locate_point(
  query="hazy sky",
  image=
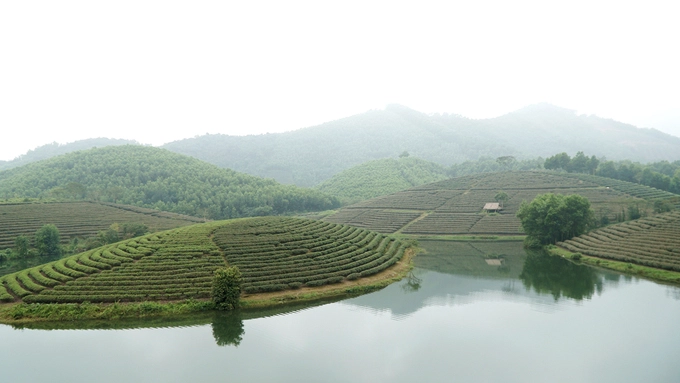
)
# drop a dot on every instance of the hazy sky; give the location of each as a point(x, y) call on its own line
point(158, 71)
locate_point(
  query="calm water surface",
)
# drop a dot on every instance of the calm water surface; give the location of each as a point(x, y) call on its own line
point(457, 318)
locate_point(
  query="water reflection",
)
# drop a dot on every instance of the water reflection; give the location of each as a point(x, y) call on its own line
point(227, 329)
point(558, 277)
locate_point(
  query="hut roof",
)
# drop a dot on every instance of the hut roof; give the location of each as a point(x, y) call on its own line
point(492, 206)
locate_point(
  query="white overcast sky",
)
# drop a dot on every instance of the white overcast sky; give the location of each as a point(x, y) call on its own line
point(158, 71)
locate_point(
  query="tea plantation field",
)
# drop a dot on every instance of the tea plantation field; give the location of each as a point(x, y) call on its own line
point(80, 219)
point(652, 241)
point(272, 253)
point(454, 206)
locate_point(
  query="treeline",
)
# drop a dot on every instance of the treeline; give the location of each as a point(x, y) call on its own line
point(662, 175)
point(159, 179)
point(491, 165)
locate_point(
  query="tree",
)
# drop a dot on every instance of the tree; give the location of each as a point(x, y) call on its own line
point(550, 218)
point(558, 161)
point(22, 246)
point(506, 161)
point(226, 288)
point(501, 197)
point(47, 240)
point(404, 154)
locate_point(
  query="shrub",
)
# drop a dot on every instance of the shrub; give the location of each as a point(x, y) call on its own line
point(576, 256)
point(226, 288)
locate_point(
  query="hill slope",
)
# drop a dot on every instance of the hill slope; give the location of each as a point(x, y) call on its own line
point(54, 149)
point(380, 177)
point(272, 253)
point(454, 206)
point(80, 219)
point(651, 241)
point(157, 178)
point(309, 156)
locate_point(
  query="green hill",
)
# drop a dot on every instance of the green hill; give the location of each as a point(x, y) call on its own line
point(309, 156)
point(454, 206)
point(54, 149)
point(380, 177)
point(272, 253)
point(158, 179)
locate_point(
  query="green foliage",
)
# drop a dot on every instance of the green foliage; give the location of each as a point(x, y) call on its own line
point(381, 177)
point(159, 179)
point(226, 288)
point(47, 240)
point(22, 246)
point(550, 218)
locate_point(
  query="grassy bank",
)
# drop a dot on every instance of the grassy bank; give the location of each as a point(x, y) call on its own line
point(21, 313)
point(623, 267)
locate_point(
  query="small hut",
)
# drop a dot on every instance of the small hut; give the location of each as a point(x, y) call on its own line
point(492, 207)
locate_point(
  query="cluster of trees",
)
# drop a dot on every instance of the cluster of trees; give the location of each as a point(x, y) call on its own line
point(662, 175)
point(579, 164)
point(156, 178)
point(47, 241)
point(550, 218)
point(490, 165)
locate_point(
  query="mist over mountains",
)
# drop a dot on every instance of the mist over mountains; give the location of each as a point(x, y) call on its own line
point(309, 156)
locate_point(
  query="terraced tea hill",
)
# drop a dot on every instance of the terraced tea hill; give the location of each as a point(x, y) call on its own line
point(652, 241)
point(273, 253)
point(454, 206)
point(80, 219)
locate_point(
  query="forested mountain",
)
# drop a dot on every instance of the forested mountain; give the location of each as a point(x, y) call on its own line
point(54, 149)
point(380, 177)
point(309, 156)
point(157, 178)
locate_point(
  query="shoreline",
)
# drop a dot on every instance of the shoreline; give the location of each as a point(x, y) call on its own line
point(654, 274)
point(22, 313)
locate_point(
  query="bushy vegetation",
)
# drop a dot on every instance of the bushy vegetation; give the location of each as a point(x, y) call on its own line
point(379, 177)
point(550, 218)
point(651, 241)
point(226, 288)
point(159, 179)
point(272, 253)
point(662, 175)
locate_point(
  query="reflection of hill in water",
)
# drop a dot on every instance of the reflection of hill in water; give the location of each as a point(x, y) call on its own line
point(462, 275)
point(470, 258)
point(227, 327)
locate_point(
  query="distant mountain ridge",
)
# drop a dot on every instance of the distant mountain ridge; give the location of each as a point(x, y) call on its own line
point(308, 156)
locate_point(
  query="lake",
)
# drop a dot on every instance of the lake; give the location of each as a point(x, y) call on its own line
point(469, 312)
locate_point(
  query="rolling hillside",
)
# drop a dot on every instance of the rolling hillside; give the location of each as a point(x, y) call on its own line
point(380, 177)
point(272, 253)
point(454, 206)
point(80, 219)
point(309, 156)
point(54, 149)
point(651, 241)
point(159, 179)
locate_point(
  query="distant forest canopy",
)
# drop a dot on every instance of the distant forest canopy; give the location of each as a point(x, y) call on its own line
point(54, 149)
point(309, 156)
point(380, 177)
point(157, 178)
point(492, 165)
point(661, 175)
